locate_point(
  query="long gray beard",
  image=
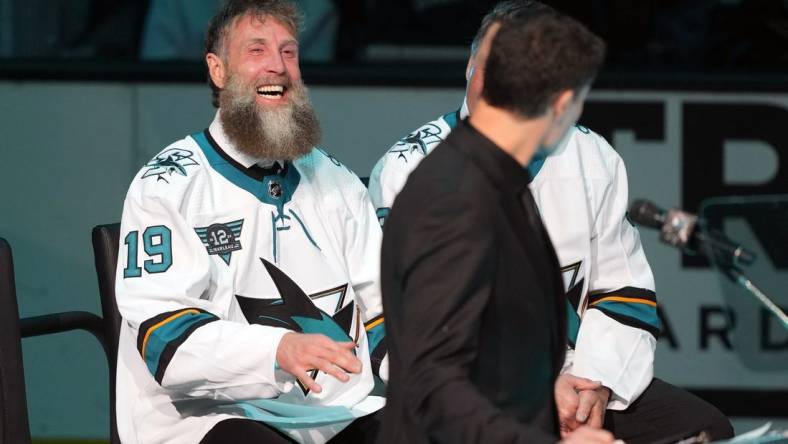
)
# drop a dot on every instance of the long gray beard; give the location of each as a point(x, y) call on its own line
point(284, 132)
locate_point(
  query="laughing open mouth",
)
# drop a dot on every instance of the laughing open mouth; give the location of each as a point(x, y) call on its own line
point(271, 91)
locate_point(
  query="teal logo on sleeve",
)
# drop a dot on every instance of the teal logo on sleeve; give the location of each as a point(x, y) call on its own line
point(169, 162)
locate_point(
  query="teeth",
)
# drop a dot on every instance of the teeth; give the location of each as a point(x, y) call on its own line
point(271, 89)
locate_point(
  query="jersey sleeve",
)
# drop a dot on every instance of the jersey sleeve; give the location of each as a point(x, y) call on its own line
point(619, 328)
point(385, 182)
point(362, 252)
point(163, 291)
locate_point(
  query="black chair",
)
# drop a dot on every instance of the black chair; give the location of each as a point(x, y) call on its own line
point(106, 239)
point(14, 425)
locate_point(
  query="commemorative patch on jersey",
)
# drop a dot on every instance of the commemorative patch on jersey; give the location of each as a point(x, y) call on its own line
point(222, 238)
point(169, 162)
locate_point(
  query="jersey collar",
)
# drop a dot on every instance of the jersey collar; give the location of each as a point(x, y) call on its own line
point(273, 185)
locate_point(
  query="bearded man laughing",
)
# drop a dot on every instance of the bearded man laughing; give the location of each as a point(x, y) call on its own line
point(248, 275)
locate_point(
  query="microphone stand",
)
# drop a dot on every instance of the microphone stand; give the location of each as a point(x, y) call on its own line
point(728, 265)
point(737, 276)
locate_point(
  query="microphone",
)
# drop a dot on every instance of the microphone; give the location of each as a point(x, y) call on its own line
point(679, 229)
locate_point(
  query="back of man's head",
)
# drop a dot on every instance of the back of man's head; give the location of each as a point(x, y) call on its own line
point(535, 57)
point(505, 10)
point(283, 11)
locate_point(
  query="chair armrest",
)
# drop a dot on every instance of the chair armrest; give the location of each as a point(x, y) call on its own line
point(63, 322)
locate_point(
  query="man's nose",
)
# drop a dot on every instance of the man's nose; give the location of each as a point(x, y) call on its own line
point(275, 64)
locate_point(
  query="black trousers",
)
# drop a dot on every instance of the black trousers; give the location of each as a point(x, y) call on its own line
point(662, 414)
point(242, 431)
point(665, 414)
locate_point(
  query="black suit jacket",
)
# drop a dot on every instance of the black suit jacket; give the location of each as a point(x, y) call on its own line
point(474, 302)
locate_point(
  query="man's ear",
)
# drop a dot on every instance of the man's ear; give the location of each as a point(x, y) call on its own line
point(216, 69)
point(469, 70)
point(562, 103)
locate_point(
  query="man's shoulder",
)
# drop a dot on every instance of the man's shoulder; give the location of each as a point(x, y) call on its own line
point(170, 172)
point(327, 176)
point(409, 151)
point(586, 154)
point(591, 141)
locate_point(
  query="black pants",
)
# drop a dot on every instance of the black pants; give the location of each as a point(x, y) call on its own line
point(241, 431)
point(665, 413)
point(662, 414)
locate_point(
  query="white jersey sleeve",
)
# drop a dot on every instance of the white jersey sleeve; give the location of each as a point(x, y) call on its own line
point(163, 295)
point(618, 329)
point(384, 185)
point(362, 240)
point(390, 173)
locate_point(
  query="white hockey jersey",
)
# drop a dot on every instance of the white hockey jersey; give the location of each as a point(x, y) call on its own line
point(581, 192)
point(219, 258)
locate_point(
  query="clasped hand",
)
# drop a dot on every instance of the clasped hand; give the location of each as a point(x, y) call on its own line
point(581, 402)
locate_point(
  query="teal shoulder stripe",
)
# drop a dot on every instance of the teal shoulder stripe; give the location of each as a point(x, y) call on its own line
point(451, 119)
point(258, 188)
point(169, 332)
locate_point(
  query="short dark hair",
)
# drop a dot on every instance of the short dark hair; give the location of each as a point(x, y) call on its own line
point(534, 58)
point(215, 39)
point(505, 10)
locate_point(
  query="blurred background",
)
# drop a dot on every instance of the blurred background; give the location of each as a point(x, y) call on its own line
point(694, 96)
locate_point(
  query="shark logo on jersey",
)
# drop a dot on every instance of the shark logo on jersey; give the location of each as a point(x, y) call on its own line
point(572, 286)
point(574, 291)
point(222, 238)
point(169, 162)
point(296, 311)
point(418, 141)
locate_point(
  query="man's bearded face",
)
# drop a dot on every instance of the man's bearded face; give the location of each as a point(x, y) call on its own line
point(283, 131)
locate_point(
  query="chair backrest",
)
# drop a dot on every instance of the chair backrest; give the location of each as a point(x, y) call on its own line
point(14, 426)
point(106, 239)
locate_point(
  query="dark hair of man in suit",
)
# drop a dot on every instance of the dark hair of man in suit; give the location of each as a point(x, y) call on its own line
point(503, 11)
point(282, 10)
point(536, 57)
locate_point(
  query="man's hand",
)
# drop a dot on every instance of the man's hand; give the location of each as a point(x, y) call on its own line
point(299, 353)
point(593, 404)
point(567, 399)
point(588, 435)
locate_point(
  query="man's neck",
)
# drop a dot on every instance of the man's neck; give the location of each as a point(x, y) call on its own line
point(518, 137)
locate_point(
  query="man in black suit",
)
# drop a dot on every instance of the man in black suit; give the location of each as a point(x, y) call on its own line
point(471, 285)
